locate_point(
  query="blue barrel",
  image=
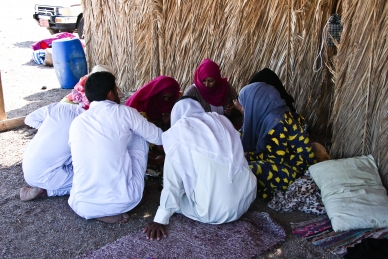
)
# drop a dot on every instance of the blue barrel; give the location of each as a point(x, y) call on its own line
point(69, 61)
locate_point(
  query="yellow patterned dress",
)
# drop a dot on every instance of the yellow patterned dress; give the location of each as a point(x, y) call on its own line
point(287, 157)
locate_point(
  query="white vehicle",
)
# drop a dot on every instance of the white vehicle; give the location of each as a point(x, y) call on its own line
point(60, 16)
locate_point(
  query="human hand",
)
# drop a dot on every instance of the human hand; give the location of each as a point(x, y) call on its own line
point(166, 118)
point(229, 109)
point(238, 106)
point(154, 229)
point(159, 160)
point(156, 160)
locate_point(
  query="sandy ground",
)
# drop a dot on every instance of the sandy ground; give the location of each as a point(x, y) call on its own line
point(48, 228)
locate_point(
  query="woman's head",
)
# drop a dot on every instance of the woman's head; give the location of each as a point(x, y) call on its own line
point(209, 82)
point(166, 95)
point(156, 97)
point(271, 78)
point(212, 87)
point(263, 109)
point(208, 73)
point(260, 95)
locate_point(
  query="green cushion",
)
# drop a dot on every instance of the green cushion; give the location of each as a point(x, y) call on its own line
point(352, 192)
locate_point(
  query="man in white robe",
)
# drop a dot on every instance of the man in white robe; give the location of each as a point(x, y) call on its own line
point(109, 148)
point(206, 176)
point(47, 158)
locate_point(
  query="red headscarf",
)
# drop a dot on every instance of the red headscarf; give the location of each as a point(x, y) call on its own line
point(149, 98)
point(217, 95)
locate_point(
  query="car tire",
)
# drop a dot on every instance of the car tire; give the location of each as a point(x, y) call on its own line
point(80, 28)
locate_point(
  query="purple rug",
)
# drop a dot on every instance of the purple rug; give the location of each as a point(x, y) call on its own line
point(252, 235)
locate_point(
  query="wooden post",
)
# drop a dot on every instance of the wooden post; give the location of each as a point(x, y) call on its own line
point(4, 123)
point(3, 115)
point(11, 123)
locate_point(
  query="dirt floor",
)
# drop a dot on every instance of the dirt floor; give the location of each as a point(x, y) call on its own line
point(48, 228)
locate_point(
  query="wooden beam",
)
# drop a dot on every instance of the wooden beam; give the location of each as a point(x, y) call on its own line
point(3, 115)
point(11, 123)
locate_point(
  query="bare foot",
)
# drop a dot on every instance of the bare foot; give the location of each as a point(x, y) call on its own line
point(30, 193)
point(121, 218)
point(320, 152)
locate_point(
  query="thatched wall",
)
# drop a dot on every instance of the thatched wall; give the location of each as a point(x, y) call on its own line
point(141, 39)
point(359, 116)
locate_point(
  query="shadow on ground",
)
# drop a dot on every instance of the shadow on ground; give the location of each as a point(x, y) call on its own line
point(38, 100)
point(33, 64)
point(24, 44)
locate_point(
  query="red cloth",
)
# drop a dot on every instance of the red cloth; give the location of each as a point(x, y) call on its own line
point(149, 98)
point(46, 43)
point(217, 95)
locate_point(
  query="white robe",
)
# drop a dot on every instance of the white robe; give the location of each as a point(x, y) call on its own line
point(47, 158)
point(109, 148)
point(206, 176)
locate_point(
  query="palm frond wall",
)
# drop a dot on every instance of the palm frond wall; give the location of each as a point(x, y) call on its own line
point(359, 116)
point(346, 99)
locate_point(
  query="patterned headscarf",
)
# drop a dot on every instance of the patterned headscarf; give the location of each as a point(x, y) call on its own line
point(217, 95)
point(263, 109)
point(149, 98)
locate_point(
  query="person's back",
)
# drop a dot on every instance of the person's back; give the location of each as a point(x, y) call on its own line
point(277, 146)
point(109, 149)
point(206, 176)
point(217, 198)
point(47, 158)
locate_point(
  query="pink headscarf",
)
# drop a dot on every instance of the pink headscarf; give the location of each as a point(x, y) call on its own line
point(217, 95)
point(77, 95)
point(149, 98)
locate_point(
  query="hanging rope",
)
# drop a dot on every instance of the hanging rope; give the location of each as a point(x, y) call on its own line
point(324, 37)
point(319, 56)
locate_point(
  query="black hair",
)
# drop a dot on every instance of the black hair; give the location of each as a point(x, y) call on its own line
point(271, 78)
point(187, 97)
point(98, 85)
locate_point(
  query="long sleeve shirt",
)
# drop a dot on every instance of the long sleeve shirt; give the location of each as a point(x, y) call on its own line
point(215, 198)
point(109, 159)
point(47, 155)
point(206, 176)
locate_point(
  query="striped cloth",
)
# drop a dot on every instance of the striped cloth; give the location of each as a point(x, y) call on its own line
point(319, 232)
point(39, 56)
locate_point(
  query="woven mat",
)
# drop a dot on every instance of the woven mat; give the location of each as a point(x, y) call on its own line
point(251, 235)
point(319, 232)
